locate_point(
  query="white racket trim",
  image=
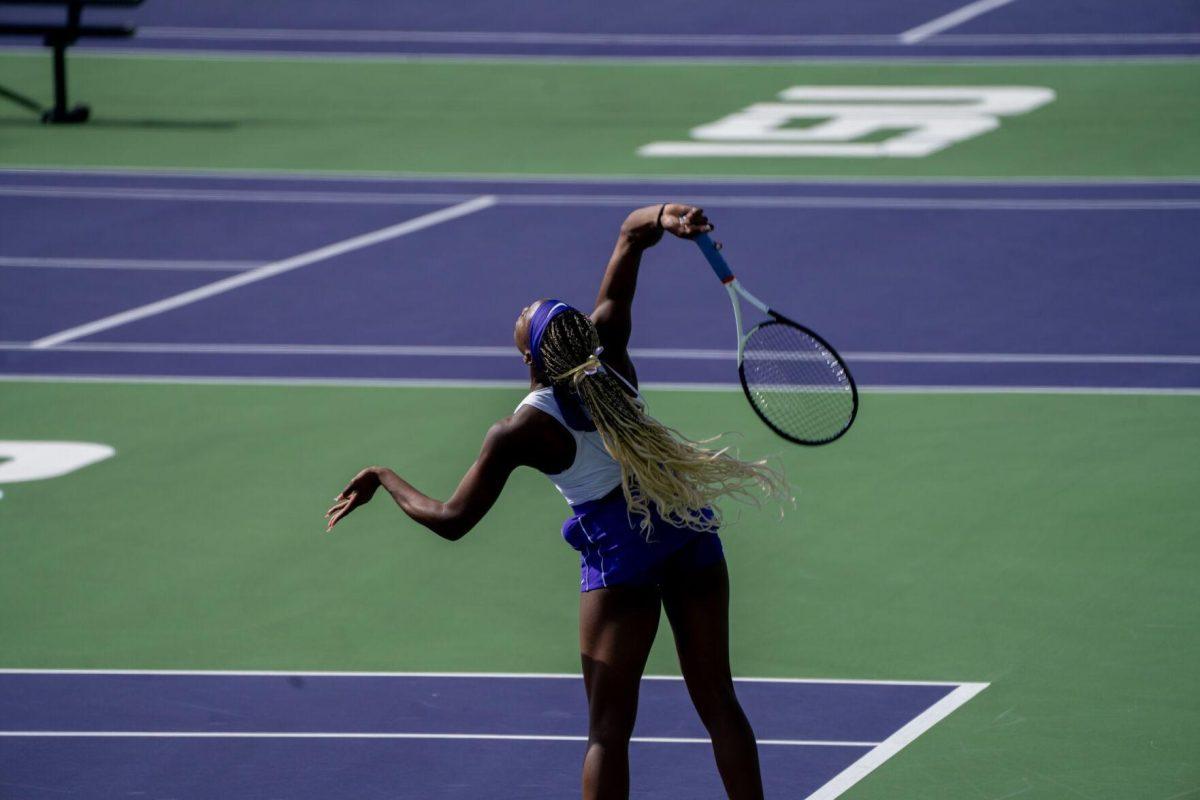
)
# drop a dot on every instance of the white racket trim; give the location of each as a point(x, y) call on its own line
point(735, 290)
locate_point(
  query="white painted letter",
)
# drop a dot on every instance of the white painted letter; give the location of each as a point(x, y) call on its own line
point(35, 461)
point(921, 119)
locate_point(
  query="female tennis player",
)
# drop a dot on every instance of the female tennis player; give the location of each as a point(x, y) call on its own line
point(644, 519)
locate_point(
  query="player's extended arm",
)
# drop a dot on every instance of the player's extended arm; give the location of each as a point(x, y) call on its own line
point(642, 229)
point(474, 497)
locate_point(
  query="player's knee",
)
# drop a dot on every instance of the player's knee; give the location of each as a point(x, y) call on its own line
point(717, 704)
point(609, 739)
point(611, 729)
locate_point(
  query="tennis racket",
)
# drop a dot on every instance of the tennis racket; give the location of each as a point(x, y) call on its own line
point(795, 381)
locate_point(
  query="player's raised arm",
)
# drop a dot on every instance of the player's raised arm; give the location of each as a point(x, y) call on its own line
point(642, 229)
point(503, 450)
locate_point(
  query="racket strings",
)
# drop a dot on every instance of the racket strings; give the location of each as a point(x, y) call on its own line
point(797, 383)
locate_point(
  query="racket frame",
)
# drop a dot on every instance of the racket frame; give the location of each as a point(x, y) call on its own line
point(736, 290)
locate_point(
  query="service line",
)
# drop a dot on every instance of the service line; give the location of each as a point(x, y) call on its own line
point(268, 271)
point(952, 20)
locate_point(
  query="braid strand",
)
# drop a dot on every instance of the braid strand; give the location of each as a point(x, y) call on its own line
point(661, 469)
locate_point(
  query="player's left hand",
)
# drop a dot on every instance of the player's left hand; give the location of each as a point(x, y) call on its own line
point(357, 493)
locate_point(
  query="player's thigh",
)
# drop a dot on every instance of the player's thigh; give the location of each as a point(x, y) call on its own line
point(697, 606)
point(617, 626)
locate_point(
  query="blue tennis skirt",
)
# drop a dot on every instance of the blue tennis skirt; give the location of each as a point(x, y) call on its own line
point(612, 549)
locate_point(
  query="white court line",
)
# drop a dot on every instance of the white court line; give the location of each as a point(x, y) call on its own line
point(1052, 390)
point(879, 753)
point(729, 201)
point(915, 203)
point(505, 737)
point(517, 385)
point(988, 39)
point(897, 741)
point(127, 263)
point(947, 21)
point(484, 351)
point(1024, 358)
point(614, 61)
point(481, 351)
point(269, 270)
point(233, 380)
point(275, 673)
point(506, 37)
point(232, 196)
point(377, 176)
point(655, 40)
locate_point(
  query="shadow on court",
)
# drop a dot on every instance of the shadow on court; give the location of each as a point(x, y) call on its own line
point(16, 98)
point(130, 124)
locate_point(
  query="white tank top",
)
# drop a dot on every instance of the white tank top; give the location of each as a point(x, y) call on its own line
point(594, 473)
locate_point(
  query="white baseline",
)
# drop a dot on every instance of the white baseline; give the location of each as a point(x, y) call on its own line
point(377, 176)
point(574, 676)
point(561, 199)
point(667, 353)
point(351, 35)
point(516, 385)
point(507, 737)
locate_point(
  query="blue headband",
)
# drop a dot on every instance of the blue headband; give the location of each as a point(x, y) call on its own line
point(538, 322)
point(574, 414)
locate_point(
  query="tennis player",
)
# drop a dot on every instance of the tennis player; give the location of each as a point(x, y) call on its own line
point(644, 519)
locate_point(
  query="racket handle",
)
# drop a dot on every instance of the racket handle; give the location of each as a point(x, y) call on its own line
point(715, 259)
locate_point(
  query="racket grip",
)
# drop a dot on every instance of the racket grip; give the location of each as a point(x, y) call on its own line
point(715, 259)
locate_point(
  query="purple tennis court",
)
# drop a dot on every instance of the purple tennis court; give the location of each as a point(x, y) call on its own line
point(872, 29)
point(313, 735)
point(130, 275)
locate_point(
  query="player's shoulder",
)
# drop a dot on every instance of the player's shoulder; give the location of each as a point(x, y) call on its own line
point(519, 427)
point(531, 437)
point(527, 424)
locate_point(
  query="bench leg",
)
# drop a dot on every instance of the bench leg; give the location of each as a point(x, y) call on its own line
point(60, 112)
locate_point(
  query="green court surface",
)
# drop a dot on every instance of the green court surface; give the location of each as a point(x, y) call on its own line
point(445, 116)
point(1043, 543)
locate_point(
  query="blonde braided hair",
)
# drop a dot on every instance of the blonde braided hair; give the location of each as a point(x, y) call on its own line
point(660, 468)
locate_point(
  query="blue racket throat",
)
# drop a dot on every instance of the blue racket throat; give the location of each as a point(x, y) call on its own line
point(715, 259)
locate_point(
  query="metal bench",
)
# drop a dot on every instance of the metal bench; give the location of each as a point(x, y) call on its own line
point(61, 36)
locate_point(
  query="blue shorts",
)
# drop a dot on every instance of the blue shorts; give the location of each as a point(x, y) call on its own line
point(612, 549)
